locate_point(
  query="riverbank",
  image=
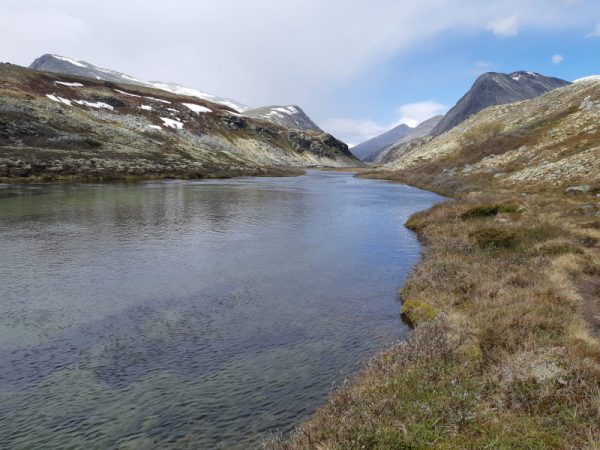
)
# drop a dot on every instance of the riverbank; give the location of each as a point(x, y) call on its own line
point(501, 355)
point(208, 173)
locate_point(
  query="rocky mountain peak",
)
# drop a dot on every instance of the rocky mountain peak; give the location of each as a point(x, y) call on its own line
point(289, 116)
point(494, 88)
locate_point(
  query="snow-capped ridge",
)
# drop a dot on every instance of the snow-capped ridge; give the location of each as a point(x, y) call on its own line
point(289, 116)
point(587, 79)
point(70, 66)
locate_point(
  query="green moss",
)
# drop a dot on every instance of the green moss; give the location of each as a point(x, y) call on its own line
point(560, 249)
point(417, 311)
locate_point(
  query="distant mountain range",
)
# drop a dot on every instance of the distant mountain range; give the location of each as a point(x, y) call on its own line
point(489, 89)
point(393, 151)
point(288, 116)
point(379, 143)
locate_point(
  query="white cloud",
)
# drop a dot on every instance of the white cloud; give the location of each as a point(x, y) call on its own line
point(355, 131)
point(505, 26)
point(264, 51)
point(412, 114)
point(557, 59)
point(596, 32)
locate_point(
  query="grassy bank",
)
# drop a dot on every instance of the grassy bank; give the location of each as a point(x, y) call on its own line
point(501, 355)
point(212, 173)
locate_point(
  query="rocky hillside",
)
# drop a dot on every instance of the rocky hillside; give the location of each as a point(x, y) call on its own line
point(70, 66)
point(497, 89)
point(375, 145)
point(414, 136)
point(547, 143)
point(290, 116)
point(55, 126)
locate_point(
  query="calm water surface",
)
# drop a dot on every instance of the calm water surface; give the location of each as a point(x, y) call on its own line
point(196, 314)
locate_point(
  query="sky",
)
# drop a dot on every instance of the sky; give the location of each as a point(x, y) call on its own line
point(357, 67)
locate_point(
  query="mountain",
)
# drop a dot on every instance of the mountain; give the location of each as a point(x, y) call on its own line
point(287, 116)
point(497, 89)
point(378, 143)
point(290, 116)
point(547, 143)
point(63, 126)
point(391, 152)
point(69, 66)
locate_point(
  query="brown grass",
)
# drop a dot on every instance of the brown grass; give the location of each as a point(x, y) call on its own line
point(500, 356)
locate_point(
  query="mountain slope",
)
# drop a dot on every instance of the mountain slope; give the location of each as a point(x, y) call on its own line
point(69, 66)
point(287, 116)
point(290, 116)
point(55, 126)
point(550, 142)
point(378, 143)
point(393, 151)
point(497, 89)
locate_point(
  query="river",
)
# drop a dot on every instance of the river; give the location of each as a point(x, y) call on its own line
point(192, 314)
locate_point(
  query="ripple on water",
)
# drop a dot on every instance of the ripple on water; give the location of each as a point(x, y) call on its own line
point(192, 314)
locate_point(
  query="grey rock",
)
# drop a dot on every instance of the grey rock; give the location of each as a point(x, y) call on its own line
point(578, 189)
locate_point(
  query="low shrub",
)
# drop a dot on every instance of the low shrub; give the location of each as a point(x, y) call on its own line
point(560, 249)
point(483, 211)
point(494, 237)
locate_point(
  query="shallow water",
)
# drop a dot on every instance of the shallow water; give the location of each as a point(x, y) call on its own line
point(194, 314)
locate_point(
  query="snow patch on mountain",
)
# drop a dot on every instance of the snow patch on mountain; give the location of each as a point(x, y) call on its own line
point(55, 98)
point(189, 92)
point(172, 123)
point(93, 104)
point(70, 61)
point(158, 100)
point(66, 101)
point(197, 108)
point(127, 93)
point(64, 83)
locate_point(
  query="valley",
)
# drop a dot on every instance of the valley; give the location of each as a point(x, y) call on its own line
point(287, 284)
